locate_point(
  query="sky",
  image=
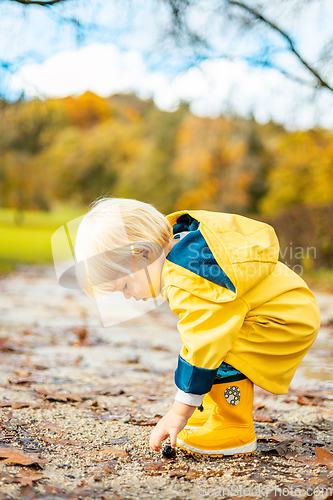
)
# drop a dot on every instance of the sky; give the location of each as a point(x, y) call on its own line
point(130, 57)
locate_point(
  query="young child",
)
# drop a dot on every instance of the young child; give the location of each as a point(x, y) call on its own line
point(245, 318)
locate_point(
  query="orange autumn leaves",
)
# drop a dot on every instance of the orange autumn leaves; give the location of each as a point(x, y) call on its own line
point(303, 171)
point(16, 456)
point(211, 164)
point(79, 148)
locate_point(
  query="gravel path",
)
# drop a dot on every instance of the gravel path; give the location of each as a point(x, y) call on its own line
point(80, 400)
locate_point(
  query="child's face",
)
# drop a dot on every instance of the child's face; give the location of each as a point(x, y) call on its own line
point(137, 285)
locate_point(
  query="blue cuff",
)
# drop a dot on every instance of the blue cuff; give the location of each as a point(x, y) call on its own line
point(189, 378)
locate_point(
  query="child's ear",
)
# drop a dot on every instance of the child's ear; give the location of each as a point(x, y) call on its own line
point(145, 253)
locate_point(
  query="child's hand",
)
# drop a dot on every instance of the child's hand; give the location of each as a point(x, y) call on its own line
point(170, 425)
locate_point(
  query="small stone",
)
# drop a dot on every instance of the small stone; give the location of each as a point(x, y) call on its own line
point(169, 452)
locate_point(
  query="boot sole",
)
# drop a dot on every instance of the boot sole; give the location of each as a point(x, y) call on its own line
point(247, 449)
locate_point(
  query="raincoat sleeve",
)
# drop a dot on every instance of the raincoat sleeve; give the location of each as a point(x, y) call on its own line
point(208, 331)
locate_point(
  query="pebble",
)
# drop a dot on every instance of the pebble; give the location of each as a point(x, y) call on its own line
point(169, 452)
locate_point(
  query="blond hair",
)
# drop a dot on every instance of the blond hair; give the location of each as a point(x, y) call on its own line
point(110, 234)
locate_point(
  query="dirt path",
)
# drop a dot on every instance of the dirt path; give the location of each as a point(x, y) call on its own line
point(79, 401)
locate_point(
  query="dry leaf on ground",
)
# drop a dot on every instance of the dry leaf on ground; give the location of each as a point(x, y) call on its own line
point(259, 417)
point(16, 456)
point(324, 457)
point(27, 477)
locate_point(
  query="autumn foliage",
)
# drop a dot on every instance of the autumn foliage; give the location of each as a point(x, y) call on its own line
point(78, 148)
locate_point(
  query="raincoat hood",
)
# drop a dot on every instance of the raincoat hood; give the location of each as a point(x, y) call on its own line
point(245, 249)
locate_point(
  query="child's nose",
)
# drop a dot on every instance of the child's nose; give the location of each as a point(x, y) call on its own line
point(127, 295)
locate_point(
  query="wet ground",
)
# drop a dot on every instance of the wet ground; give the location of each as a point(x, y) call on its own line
point(79, 400)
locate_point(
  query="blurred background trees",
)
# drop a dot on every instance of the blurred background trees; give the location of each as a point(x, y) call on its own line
point(80, 148)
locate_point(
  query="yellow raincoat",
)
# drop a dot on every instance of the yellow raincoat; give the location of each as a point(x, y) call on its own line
point(236, 302)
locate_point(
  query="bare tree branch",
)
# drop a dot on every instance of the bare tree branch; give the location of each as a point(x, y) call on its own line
point(180, 26)
point(183, 35)
point(283, 72)
point(260, 17)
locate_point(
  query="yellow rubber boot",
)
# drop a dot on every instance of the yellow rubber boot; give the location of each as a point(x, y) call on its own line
point(229, 429)
point(199, 418)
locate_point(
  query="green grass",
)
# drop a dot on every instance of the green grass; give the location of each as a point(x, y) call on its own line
point(319, 279)
point(29, 242)
point(26, 238)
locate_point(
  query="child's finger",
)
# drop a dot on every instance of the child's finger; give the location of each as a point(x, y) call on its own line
point(155, 442)
point(153, 445)
point(173, 438)
point(155, 448)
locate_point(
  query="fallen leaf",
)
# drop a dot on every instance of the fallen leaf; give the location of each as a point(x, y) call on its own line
point(303, 401)
point(280, 448)
point(5, 404)
point(159, 348)
point(327, 324)
point(324, 457)
point(83, 483)
point(59, 397)
point(26, 477)
point(7, 345)
point(40, 406)
point(304, 459)
point(275, 438)
point(133, 360)
point(193, 474)
point(17, 405)
point(177, 472)
point(113, 451)
point(258, 406)
point(303, 397)
point(22, 373)
point(263, 418)
point(150, 421)
point(112, 392)
point(154, 468)
point(323, 395)
point(28, 493)
point(16, 456)
point(81, 333)
point(21, 381)
point(103, 471)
